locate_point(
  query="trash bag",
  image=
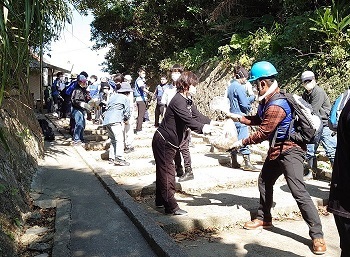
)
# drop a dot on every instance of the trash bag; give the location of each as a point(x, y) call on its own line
point(220, 103)
point(225, 136)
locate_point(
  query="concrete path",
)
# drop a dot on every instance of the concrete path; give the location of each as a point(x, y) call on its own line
point(288, 238)
point(99, 227)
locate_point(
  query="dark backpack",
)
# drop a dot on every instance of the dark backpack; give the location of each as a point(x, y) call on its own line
point(48, 133)
point(337, 107)
point(307, 125)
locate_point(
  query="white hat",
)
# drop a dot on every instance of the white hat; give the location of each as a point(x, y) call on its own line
point(307, 75)
point(125, 87)
point(128, 77)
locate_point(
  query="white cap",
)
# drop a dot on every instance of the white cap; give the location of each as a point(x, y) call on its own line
point(307, 75)
point(128, 77)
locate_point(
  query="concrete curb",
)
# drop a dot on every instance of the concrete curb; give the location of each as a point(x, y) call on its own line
point(61, 240)
point(157, 238)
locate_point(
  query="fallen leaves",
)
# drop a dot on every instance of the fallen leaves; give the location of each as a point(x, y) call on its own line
point(209, 234)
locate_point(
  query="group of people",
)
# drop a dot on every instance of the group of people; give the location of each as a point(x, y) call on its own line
point(285, 156)
point(56, 100)
point(112, 102)
point(116, 101)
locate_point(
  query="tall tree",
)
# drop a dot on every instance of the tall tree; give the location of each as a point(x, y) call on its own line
point(143, 32)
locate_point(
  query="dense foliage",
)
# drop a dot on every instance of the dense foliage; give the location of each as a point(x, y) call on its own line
point(294, 35)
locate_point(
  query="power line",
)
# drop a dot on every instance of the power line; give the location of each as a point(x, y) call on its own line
point(73, 50)
point(77, 38)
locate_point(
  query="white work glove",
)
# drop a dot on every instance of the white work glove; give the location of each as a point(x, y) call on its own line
point(216, 123)
point(237, 145)
point(234, 116)
point(86, 106)
point(207, 129)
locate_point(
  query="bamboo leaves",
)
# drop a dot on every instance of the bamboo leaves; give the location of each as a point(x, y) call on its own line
point(334, 22)
point(25, 26)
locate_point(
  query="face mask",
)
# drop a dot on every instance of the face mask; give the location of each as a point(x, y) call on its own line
point(142, 76)
point(175, 76)
point(62, 78)
point(192, 90)
point(92, 81)
point(83, 84)
point(269, 91)
point(309, 86)
point(105, 90)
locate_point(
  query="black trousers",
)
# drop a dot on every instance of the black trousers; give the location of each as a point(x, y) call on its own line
point(343, 226)
point(290, 164)
point(157, 113)
point(141, 109)
point(185, 151)
point(164, 155)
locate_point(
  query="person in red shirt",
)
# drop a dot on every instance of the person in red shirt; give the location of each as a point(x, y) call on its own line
point(284, 157)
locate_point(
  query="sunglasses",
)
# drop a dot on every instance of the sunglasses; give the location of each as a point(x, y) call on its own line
point(307, 81)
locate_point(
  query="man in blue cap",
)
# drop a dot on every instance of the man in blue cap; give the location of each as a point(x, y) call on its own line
point(79, 107)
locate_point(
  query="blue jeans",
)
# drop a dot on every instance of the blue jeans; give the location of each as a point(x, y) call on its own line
point(243, 132)
point(329, 143)
point(79, 118)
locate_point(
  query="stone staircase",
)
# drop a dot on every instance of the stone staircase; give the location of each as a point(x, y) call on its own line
point(219, 196)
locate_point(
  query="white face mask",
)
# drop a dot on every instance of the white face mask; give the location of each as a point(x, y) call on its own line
point(309, 86)
point(192, 90)
point(269, 91)
point(105, 91)
point(62, 78)
point(93, 81)
point(82, 84)
point(175, 76)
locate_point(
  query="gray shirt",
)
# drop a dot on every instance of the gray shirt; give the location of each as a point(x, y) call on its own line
point(320, 103)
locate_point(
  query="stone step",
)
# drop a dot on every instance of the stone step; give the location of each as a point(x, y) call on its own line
point(96, 137)
point(99, 142)
point(211, 174)
point(205, 181)
point(95, 131)
point(230, 207)
point(146, 165)
point(146, 152)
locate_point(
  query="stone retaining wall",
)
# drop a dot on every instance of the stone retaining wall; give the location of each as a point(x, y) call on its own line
point(21, 144)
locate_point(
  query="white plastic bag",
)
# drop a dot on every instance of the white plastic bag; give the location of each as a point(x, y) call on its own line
point(220, 103)
point(225, 136)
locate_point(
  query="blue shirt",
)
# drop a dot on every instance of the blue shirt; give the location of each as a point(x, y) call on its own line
point(239, 101)
point(93, 90)
point(159, 92)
